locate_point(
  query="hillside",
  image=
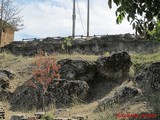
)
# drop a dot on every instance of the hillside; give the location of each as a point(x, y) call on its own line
point(21, 67)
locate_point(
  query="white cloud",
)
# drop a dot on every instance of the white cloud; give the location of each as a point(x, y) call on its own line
point(48, 19)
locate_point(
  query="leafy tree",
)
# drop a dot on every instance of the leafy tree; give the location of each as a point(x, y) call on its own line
point(155, 33)
point(140, 13)
point(9, 16)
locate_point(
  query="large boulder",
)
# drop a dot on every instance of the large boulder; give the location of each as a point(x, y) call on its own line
point(77, 69)
point(122, 95)
point(115, 67)
point(149, 78)
point(61, 93)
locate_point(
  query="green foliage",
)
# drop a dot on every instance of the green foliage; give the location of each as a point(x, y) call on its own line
point(47, 117)
point(106, 53)
point(155, 33)
point(67, 42)
point(132, 9)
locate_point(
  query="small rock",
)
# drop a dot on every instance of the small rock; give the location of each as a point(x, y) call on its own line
point(58, 111)
point(31, 118)
point(78, 117)
point(63, 118)
point(10, 74)
point(39, 115)
point(19, 117)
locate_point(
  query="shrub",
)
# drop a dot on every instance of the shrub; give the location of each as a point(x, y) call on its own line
point(47, 117)
point(44, 71)
point(66, 43)
point(106, 54)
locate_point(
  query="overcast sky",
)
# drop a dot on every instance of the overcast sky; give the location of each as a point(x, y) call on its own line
point(49, 18)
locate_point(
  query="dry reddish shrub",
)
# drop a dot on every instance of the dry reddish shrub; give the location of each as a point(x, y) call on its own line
point(44, 71)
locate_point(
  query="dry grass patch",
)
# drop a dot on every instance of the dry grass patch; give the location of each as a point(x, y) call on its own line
point(77, 57)
point(19, 65)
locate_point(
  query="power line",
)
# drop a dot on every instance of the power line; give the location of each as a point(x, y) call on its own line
point(80, 17)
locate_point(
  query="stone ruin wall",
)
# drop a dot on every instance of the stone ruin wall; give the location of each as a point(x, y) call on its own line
point(7, 37)
point(96, 45)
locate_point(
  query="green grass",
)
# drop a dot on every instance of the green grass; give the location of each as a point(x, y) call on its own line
point(141, 61)
point(47, 117)
point(145, 58)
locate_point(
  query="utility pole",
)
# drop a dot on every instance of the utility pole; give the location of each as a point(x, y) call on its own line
point(74, 18)
point(1, 23)
point(88, 18)
point(1, 12)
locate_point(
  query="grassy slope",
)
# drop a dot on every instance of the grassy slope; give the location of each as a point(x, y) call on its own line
point(21, 66)
point(139, 60)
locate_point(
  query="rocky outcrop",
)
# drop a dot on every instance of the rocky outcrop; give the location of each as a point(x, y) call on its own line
point(4, 86)
point(95, 45)
point(115, 67)
point(61, 93)
point(77, 69)
point(149, 78)
point(78, 77)
point(120, 96)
